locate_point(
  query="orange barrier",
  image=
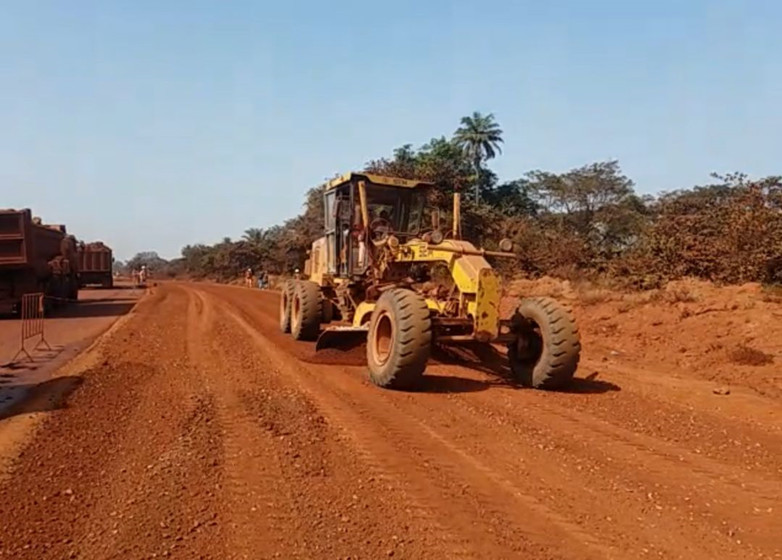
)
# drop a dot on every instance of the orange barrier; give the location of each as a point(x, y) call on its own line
point(32, 324)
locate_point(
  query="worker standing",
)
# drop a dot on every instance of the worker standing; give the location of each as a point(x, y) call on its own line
point(248, 277)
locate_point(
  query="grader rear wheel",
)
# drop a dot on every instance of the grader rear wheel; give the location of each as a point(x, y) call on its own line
point(306, 312)
point(546, 353)
point(327, 310)
point(286, 298)
point(399, 340)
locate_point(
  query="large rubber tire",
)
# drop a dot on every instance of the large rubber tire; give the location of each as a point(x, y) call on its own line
point(286, 298)
point(400, 340)
point(548, 350)
point(306, 311)
point(327, 310)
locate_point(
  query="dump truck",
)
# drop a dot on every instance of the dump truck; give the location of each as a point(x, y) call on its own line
point(95, 265)
point(386, 275)
point(35, 258)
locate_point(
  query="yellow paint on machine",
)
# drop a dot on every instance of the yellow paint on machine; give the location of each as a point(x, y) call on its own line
point(377, 180)
point(364, 311)
point(487, 306)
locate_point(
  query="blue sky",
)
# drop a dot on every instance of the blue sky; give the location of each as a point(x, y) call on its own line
point(153, 124)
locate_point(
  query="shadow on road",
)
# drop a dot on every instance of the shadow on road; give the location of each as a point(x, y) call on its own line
point(99, 308)
point(105, 307)
point(23, 363)
point(118, 299)
point(477, 357)
point(46, 396)
point(433, 383)
point(491, 361)
point(590, 386)
point(99, 288)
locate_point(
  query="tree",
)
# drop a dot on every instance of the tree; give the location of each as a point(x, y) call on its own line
point(439, 161)
point(253, 235)
point(596, 201)
point(512, 199)
point(403, 164)
point(726, 232)
point(479, 136)
point(155, 264)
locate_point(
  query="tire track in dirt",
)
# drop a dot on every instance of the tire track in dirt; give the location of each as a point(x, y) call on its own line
point(606, 478)
point(745, 407)
point(733, 505)
point(446, 477)
point(321, 502)
point(720, 531)
point(258, 512)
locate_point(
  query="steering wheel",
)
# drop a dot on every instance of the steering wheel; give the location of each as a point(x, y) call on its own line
point(377, 224)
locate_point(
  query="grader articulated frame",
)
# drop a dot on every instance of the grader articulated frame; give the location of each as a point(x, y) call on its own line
point(385, 274)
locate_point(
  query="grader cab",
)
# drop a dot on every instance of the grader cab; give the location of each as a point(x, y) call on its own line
point(388, 272)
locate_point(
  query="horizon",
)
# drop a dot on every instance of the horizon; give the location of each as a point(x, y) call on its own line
point(151, 128)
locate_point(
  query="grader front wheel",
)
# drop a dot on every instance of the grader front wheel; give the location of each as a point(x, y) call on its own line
point(399, 340)
point(547, 349)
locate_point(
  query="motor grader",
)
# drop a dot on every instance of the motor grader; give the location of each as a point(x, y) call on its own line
point(389, 272)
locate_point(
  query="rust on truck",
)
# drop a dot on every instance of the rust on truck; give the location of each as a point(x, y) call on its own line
point(95, 264)
point(35, 257)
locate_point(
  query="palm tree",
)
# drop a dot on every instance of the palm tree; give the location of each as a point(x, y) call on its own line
point(479, 136)
point(253, 235)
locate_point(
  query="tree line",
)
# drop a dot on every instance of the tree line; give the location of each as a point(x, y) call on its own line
point(585, 222)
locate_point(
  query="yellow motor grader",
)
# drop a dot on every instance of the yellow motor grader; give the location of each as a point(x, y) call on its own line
point(388, 272)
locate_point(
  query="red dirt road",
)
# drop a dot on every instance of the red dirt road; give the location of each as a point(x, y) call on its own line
point(200, 431)
point(68, 331)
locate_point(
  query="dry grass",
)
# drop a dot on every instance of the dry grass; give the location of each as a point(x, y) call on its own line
point(771, 294)
point(594, 296)
point(680, 295)
point(745, 355)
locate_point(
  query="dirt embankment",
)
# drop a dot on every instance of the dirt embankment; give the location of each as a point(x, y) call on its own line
point(731, 336)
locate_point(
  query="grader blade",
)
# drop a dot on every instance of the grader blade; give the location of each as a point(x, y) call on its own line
point(342, 337)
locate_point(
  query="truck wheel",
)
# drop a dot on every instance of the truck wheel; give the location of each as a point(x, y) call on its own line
point(306, 311)
point(286, 297)
point(400, 340)
point(547, 349)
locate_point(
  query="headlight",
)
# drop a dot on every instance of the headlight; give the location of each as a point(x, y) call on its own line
point(437, 237)
point(506, 245)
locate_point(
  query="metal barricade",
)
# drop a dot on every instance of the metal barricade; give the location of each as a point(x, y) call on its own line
point(33, 322)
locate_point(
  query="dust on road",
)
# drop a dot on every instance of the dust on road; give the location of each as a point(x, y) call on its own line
point(199, 431)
